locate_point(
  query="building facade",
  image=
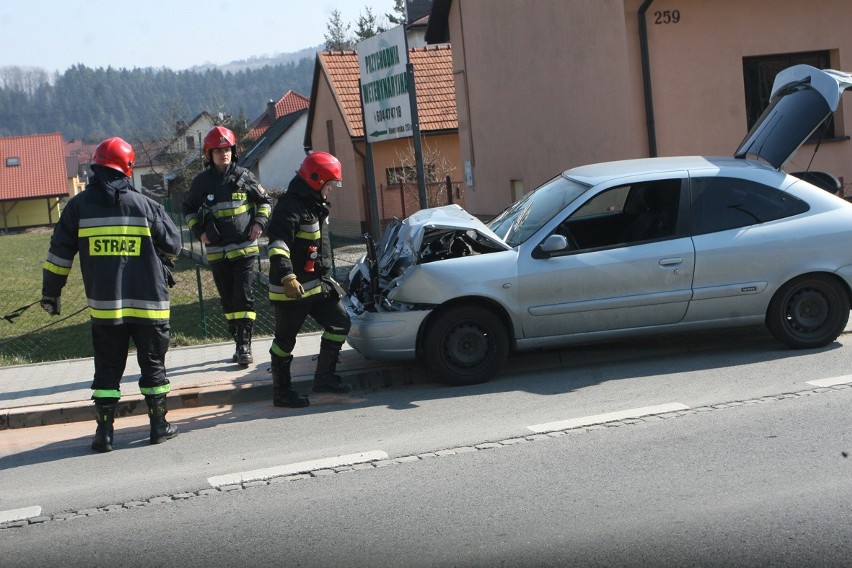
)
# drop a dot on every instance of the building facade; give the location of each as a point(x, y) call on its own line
point(335, 125)
point(33, 180)
point(548, 85)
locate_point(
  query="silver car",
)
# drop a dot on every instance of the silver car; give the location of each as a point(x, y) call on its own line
point(622, 249)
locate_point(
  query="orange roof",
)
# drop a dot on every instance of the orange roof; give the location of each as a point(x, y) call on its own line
point(83, 151)
point(433, 77)
point(290, 102)
point(32, 166)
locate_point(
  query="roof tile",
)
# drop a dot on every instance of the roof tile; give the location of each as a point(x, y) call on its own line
point(290, 102)
point(41, 167)
point(433, 78)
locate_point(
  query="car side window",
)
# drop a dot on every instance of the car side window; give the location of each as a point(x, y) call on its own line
point(720, 204)
point(606, 203)
point(639, 212)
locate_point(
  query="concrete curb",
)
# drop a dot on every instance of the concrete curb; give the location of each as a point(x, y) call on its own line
point(205, 396)
point(368, 376)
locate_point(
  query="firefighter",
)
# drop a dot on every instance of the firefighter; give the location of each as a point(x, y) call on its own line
point(300, 283)
point(126, 244)
point(228, 209)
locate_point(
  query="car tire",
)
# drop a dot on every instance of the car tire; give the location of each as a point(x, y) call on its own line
point(808, 312)
point(466, 345)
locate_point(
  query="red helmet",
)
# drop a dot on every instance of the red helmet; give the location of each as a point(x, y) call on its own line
point(115, 153)
point(220, 137)
point(318, 168)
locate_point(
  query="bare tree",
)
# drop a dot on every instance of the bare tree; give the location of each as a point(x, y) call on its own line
point(24, 79)
point(174, 164)
point(436, 165)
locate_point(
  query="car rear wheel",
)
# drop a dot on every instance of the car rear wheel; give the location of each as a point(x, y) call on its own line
point(808, 312)
point(466, 345)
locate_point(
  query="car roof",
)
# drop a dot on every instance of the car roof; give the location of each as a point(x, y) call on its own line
point(593, 174)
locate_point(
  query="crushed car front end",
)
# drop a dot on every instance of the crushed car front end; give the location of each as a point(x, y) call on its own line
point(392, 289)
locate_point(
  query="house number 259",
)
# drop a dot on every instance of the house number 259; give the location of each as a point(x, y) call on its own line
point(666, 17)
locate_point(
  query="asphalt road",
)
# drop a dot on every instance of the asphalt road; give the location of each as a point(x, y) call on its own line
point(728, 450)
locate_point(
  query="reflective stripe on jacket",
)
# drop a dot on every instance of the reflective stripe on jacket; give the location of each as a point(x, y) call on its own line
point(120, 243)
point(298, 240)
point(225, 206)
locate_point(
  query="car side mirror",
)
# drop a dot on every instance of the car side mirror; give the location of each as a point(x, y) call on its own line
point(554, 243)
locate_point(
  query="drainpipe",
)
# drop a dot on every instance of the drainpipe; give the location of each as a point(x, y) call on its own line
point(646, 80)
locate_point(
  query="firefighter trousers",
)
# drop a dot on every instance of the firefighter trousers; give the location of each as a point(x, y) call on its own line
point(289, 317)
point(233, 280)
point(111, 345)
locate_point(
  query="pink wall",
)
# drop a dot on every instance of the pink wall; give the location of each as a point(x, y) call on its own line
point(348, 208)
point(536, 84)
point(546, 85)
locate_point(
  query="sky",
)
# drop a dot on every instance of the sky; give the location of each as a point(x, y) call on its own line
point(57, 34)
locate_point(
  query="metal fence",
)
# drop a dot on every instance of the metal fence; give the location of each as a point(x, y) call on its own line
point(196, 314)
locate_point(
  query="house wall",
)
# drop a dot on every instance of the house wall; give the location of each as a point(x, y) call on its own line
point(280, 162)
point(138, 172)
point(697, 71)
point(29, 213)
point(351, 205)
point(75, 186)
point(348, 203)
point(197, 130)
point(545, 86)
point(442, 150)
point(539, 87)
point(416, 38)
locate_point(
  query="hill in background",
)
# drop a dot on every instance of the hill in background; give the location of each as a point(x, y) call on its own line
point(259, 61)
point(91, 104)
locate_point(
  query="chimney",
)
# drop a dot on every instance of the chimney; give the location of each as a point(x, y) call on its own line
point(270, 109)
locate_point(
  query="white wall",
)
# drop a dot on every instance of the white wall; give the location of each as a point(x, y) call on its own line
point(278, 166)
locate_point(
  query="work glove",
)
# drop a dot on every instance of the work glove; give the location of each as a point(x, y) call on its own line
point(50, 305)
point(292, 287)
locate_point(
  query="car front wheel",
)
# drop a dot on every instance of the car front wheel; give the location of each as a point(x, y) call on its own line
point(466, 345)
point(807, 312)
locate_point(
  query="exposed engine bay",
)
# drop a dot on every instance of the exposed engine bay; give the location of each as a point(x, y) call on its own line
point(386, 263)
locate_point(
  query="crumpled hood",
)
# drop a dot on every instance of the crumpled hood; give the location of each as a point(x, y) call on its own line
point(402, 241)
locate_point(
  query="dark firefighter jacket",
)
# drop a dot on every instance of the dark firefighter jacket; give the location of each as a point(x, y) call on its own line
point(122, 238)
point(299, 222)
point(225, 206)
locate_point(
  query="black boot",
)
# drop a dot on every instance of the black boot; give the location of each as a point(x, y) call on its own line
point(104, 416)
point(161, 430)
point(282, 390)
point(243, 339)
point(324, 378)
point(232, 329)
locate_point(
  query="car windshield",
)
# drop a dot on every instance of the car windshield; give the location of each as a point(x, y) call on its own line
point(523, 218)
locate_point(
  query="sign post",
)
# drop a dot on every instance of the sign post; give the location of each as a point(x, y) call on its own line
point(387, 92)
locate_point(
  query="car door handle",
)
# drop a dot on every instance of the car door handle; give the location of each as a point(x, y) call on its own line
point(671, 261)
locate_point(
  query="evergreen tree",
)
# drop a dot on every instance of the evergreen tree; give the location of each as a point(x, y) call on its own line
point(398, 16)
point(337, 38)
point(94, 103)
point(367, 25)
